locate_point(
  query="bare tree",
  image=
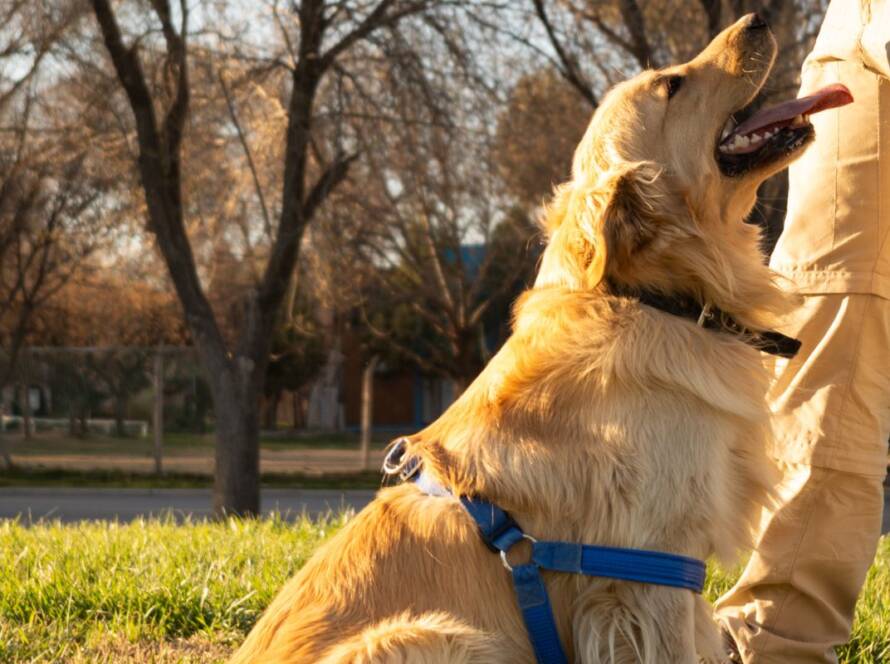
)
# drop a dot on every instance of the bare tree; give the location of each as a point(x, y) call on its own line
point(424, 230)
point(49, 224)
point(45, 212)
point(41, 197)
point(320, 36)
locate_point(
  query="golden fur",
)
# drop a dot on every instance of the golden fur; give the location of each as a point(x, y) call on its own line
point(600, 420)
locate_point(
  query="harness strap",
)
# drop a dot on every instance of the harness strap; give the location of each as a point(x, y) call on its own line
point(534, 603)
point(655, 567)
point(500, 532)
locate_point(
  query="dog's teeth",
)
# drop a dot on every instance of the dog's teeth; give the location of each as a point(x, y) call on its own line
point(744, 141)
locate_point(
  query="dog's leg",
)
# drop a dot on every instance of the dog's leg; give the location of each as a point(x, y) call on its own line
point(708, 642)
point(636, 624)
point(432, 638)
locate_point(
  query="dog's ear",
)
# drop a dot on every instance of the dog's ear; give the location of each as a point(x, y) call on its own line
point(595, 227)
point(628, 219)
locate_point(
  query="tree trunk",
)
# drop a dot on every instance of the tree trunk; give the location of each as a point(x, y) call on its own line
point(158, 415)
point(458, 385)
point(296, 410)
point(236, 487)
point(236, 377)
point(120, 413)
point(770, 210)
point(367, 409)
point(271, 411)
point(26, 410)
point(4, 449)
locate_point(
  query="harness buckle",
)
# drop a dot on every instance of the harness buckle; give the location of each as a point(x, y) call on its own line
point(504, 560)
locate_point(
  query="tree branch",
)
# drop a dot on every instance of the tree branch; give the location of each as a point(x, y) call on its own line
point(569, 68)
point(712, 9)
point(332, 176)
point(636, 26)
point(230, 104)
point(177, 60)
point(159, 159)
point(379, 17)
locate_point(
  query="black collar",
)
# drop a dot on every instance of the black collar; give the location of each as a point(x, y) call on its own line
point(710, 318)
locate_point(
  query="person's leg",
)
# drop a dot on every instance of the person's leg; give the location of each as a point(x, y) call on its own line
point(795, 599)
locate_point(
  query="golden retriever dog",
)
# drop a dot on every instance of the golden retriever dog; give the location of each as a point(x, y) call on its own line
point(602, 420)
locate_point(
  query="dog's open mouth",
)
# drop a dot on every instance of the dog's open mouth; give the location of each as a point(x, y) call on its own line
point(774, 132)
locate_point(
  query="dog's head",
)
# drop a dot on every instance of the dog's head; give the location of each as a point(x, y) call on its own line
point(664, 177)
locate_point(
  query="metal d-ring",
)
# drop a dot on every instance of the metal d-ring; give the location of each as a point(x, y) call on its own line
point(504, 553)
point(705, 315)
point(397, 462)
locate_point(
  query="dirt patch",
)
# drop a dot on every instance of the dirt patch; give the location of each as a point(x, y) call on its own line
point(194, 650)
point(307, 461)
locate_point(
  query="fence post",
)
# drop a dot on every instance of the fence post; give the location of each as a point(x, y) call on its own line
point(367, 409)
point(26, 394)
point(4, 449)
point(158, 421)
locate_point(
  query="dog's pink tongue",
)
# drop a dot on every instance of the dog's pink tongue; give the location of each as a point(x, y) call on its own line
point(831, 96)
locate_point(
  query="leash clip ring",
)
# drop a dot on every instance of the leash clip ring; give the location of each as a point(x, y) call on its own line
point(504, 561)
point(398, 463)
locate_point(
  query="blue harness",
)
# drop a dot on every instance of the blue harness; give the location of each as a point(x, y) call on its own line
point(500, 532)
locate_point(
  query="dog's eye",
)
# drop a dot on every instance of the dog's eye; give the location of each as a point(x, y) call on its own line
point(672, 85)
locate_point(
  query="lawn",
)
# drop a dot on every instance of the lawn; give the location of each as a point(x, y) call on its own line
point(155, 591)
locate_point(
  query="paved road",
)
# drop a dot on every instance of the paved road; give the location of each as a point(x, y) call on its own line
point(128, 504)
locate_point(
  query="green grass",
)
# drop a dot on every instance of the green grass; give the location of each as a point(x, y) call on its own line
point(155, 591)
point(84, 592)
point(112, 479)
point(870, 640)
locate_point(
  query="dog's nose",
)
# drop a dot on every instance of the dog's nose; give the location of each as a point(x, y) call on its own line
point(756, 22)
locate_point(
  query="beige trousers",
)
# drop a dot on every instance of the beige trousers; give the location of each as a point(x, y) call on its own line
point(795, 599)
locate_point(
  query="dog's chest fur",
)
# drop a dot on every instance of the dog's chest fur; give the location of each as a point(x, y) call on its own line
point(618, 425)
